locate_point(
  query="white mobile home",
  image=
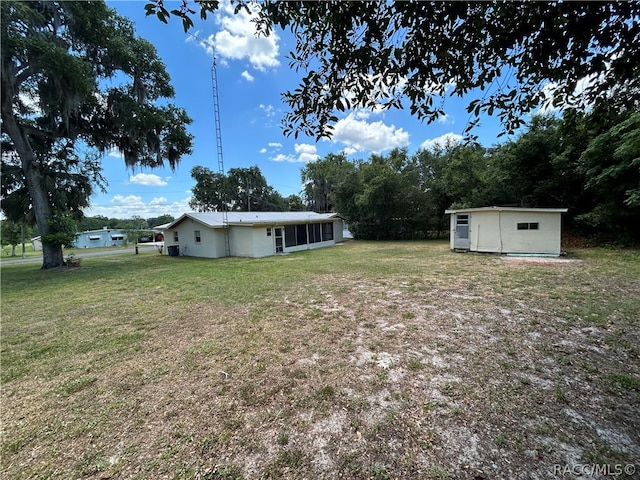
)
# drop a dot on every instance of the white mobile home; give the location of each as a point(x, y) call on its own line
point(506, 230)
point(250, 234)
point(105, 237)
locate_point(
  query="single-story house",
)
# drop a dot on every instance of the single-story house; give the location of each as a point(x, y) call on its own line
point(250, 234)
point(106, 237)
point(507, 230)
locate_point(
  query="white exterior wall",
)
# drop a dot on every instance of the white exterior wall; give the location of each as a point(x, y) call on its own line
point(484, 232)
point(544, 240)
point(309, 246)
point(211, 240)
point(251, 241)
point(452, 231)
point(338, 229)
point(264, 245)
point(244, 240)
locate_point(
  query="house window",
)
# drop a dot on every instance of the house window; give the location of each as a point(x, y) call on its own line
point(528, 226)
point(117, 237)
point(197, 236)
point(290, 236)
point(301, 234)
point(269, 232)
point(94, 237)
point(327, 231)
point(314, 233)
point(175, 236)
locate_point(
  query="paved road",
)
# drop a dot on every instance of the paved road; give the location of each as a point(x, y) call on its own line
point(88, 253)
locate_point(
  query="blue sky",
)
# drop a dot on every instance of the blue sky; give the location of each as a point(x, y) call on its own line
point(252, 74)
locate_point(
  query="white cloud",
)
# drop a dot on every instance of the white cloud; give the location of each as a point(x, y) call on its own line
point(237, 39)
point(128, 200)
point(577, 98)
point(445, 119)
point(442, 142)
point(148, 179)
point(273, 147)
point(349, 151)
point(128, 206)
point(158, 201)
point(306, 152)
point(115, 153)
point(247, 76)
point(281, 157)
point(267, 109)
point(356, 133)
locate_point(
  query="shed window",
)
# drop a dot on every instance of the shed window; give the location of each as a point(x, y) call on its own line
point(463, 219)
point(528, 226)
point(175, 235)
point(269, 232)
point(197, 236)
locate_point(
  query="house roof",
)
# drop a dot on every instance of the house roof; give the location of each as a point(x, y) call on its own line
point(102, 230)
point(506, 209)
point(216, 219)
point(161, 227)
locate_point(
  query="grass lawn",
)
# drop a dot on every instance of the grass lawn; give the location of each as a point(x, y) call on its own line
point(366, 360)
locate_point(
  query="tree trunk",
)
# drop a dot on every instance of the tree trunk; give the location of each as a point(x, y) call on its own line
point(51, 253)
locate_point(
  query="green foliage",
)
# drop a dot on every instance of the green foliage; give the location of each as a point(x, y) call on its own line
point(406, 54)
point(10, 232)
point(58, 54)
point(62, 230)
point(242, 189)
point(161, 220)
point(611, 165)
point(322, 179)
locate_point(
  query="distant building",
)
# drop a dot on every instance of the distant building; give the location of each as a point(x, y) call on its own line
point(106, 237)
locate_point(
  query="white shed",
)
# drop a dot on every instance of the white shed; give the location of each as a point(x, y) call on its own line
point(506, 230)
point(250, 234)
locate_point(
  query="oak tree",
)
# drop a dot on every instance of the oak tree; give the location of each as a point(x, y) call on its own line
point(77, 83)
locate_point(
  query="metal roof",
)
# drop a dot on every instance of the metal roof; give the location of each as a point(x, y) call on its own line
point(507, 209)
point(216, 219)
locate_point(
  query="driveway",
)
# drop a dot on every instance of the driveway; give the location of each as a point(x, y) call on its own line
point(145, 247)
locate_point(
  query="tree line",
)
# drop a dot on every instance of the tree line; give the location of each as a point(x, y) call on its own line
point(588, 163)
point(241, 189)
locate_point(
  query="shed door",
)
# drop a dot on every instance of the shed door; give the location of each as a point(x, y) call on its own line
point(461, 233)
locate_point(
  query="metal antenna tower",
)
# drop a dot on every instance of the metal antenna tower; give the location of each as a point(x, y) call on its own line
point(216, 115)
